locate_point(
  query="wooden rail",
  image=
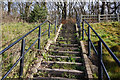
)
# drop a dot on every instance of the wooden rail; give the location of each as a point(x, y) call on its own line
point(100, 18)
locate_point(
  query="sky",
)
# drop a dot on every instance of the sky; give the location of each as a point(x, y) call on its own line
point(61, 0)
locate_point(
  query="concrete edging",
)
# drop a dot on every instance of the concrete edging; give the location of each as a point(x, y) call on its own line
point(50, 41)
point(85, 57)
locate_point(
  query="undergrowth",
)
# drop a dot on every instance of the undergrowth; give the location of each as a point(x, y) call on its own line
point(13, 31)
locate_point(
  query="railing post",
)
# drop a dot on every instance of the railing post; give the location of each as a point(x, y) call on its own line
point(39, 36)
point(82, 30)
point(78, 25)
point(22, 60)
point(100, 70)
point(55, 27)
point(49, 31)
point(79, 31)
point(89, 44)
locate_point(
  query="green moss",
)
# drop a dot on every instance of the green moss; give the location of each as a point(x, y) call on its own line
point(95, 76)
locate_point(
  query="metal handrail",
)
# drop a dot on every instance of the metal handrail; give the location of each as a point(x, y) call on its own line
point(108, 49)
point(21, 58)
point(22, 37)
point(101, 65)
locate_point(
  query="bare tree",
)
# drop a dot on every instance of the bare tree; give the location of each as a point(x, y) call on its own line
point(9, 7)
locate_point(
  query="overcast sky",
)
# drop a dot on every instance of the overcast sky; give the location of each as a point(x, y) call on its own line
point(62, 0)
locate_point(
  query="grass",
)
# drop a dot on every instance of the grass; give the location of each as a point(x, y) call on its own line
point(110, 33)
point(13, 31)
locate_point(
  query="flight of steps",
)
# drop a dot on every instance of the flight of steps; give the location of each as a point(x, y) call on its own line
point(63, 61)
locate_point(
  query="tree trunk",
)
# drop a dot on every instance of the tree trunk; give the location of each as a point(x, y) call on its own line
point(64, 11)
point(108, 7)
point(9, 7)
point(103, 8)
point(27, 9)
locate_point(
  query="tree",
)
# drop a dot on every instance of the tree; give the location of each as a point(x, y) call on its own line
point(64, 12)
point(9, 7)
point(39, 13)
point(103, 8)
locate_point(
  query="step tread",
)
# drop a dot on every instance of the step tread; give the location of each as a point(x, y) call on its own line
point(70, 52)
point(57, 62)
point(61, 70)
point(63, 57)
point(69, 45)
point(72, 48)
point(53, 78)
point(66, 40)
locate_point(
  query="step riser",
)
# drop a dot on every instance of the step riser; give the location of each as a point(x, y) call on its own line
point(52, 78)
point(65, 45)
point(56, 71)
point(60, 73)
point(50, 56)
point(58, 40)
point(65, 48)
point(55, 62)
point(64, 52)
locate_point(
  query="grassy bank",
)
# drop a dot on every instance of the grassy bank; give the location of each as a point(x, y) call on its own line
point(13, 31)
point(110, 33)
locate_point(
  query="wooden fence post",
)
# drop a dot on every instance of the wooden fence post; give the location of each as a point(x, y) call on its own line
point(118, 16)
point(98, 17)
point(81, 17)
point(107, 17)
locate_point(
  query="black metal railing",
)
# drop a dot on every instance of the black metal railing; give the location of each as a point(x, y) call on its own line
point(101, 66)
point(23, 52)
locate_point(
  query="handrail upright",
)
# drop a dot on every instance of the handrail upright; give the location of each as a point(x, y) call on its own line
point(39, 37)
point(100, 69)
point(22, 60)
point(82, 30)
point(55, 27)
point(49, 31)
point(89, 44)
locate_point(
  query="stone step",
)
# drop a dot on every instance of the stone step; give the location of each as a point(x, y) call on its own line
point(57, 62)
point(69, 52)
point(52, 78)
point(60, 71)
point(67, 36)
point(64, 48)
point(51, 56)
point(68, 32)
point(66, 45)
point(66, 40)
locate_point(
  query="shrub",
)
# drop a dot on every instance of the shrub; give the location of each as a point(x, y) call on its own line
point(38, 14)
